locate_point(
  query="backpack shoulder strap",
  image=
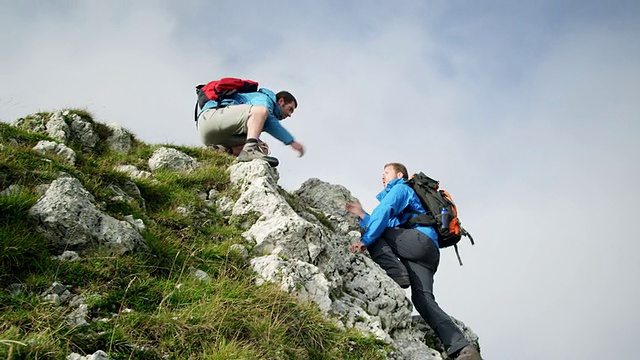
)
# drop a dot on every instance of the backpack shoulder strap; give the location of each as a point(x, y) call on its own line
point(195, 114)
point(195, 110)
point(424, 188)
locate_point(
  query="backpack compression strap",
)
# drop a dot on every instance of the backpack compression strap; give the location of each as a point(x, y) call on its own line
point(463, 232)
point(455, 246)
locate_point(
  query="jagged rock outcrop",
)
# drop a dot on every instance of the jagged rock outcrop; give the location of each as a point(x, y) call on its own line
point(69, 127)
point(120, 139)
point(306, 251)
point(67, 216)
point(63, 126)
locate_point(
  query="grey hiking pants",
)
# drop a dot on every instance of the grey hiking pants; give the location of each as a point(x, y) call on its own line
point(402, 251)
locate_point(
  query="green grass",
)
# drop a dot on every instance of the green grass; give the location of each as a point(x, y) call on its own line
point(148, 305)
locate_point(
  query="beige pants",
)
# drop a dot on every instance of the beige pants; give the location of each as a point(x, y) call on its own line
point(225, 126)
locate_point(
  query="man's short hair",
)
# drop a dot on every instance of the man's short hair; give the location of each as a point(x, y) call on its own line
point(287, 97)
point(399, 168)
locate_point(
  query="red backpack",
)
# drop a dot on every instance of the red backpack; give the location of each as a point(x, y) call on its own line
point(222, 89)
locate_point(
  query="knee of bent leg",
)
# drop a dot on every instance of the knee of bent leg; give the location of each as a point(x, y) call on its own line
point(259, 111)
point(419, 289)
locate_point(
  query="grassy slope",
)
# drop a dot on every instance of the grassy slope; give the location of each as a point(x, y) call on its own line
point(173, 314)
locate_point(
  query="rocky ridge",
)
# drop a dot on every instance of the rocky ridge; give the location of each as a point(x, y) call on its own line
point(300, 239)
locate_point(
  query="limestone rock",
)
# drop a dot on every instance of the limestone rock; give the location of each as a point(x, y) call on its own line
point(98, 355)
point(120, 139)
point(66, 155)
point(310, 258)
point(64, 126)
point(172, 159)
point(68, 218)
point(133, 172)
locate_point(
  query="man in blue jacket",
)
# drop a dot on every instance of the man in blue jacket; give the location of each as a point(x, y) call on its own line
point(410, 256)
point(239, 121)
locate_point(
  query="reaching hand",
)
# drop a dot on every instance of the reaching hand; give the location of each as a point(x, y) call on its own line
point(298, 147)
point(355, 208)
point(357, 247)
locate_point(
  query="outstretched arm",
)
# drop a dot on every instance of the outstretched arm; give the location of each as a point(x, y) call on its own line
point(298, 147)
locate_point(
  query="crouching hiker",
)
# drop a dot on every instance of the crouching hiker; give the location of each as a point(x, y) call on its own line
point(410, 256)
point(240, 119)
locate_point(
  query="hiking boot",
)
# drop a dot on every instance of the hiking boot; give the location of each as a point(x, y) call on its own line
point(468, 352)
point(252, 154)
point(402, 280)
point(263, 147)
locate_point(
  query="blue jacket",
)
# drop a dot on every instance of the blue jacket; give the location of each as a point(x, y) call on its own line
point(263, 97)
point(395, 199)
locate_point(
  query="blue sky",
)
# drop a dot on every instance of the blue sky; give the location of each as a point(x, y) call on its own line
point(527, 112)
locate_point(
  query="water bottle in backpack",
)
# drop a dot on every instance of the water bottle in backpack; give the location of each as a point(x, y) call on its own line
point(444, 218)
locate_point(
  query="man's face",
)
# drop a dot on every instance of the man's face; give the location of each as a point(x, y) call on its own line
point(286, 109)
point(389, 174)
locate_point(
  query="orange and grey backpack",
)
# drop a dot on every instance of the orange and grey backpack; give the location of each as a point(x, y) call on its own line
point(442, 213)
